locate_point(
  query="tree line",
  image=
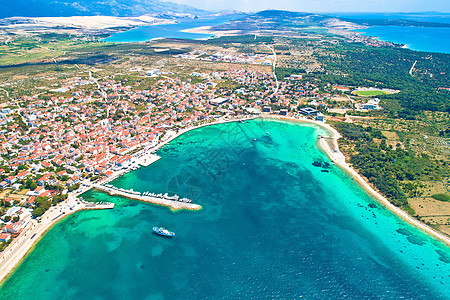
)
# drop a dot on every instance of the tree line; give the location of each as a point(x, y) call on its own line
point(387, 168)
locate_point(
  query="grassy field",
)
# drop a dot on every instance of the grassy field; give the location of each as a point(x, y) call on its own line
point(370, 93)
point(426, 195)
point(32, 49)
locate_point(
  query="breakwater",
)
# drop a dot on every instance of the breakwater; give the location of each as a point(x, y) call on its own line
point(159, 200)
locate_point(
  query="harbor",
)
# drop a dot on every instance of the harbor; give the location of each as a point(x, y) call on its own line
point(174, 202)
point(146, 157)
point(205, 238)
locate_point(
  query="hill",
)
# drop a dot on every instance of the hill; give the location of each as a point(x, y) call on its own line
point(121, 8)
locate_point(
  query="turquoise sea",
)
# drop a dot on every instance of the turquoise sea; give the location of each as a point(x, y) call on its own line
point(146, 33)
point(432, 39)
point(435, 17)
point(429, 39)
point(272, 225)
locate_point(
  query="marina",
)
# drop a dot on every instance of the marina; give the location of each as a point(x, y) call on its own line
point(174, 202)
point(314, 218)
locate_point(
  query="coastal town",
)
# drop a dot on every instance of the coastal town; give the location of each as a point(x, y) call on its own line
point(92, 130)
point(84, 130)
point(81, 117)
point(89, 130)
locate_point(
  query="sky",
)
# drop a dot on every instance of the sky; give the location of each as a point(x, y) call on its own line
point(322, 5)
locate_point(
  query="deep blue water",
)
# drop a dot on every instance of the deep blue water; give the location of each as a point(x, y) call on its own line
point(433, 39)
point(272, 225)
point(146, 33)
point(430, 39)
point(418, 16)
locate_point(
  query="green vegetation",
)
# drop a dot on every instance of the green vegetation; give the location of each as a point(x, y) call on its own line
point(36, 48)
point(73, 187)
point(286, 72)
point(396, 173)
point(30, 184)
point(42, 204)
point(58, 198)
point(3, 245)
point(441, 197)
point(389, 67)
point(21, 123)
point(370, 93)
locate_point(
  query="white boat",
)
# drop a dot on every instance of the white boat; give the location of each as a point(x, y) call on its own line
point(163, 231)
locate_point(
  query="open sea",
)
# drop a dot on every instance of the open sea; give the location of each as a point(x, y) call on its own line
point(272, 225)
point(429, 39)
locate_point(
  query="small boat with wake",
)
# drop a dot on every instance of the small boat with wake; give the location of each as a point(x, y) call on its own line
point(162, 231)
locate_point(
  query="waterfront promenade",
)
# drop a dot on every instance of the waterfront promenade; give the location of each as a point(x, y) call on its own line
point(22, 244)
point(12, 255)
point(16, 251)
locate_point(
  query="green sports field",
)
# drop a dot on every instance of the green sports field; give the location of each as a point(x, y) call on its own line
point(370, 93)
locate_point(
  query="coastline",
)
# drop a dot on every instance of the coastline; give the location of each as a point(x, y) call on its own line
point(189, 128)
point(163, 143)
point(339, 159)
point(409, 43)
point(208, 30)
point(38, 229)
point(22, 245)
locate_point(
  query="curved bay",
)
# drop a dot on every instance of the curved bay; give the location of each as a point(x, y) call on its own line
point(272, 225)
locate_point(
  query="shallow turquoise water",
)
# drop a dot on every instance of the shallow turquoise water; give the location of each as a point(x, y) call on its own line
point(272, 225)
point(146, 33)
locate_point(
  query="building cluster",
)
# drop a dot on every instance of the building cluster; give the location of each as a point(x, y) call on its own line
point(243, 58)
point(90, 129)
point(18, 217)
point(371, 104)
point(369, 41)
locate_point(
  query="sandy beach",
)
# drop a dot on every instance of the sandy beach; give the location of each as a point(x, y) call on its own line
point(189, 128)
point(338, 158)
point(208, 30)
point(330, 146)
point(11, 257)
point(14, 254)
